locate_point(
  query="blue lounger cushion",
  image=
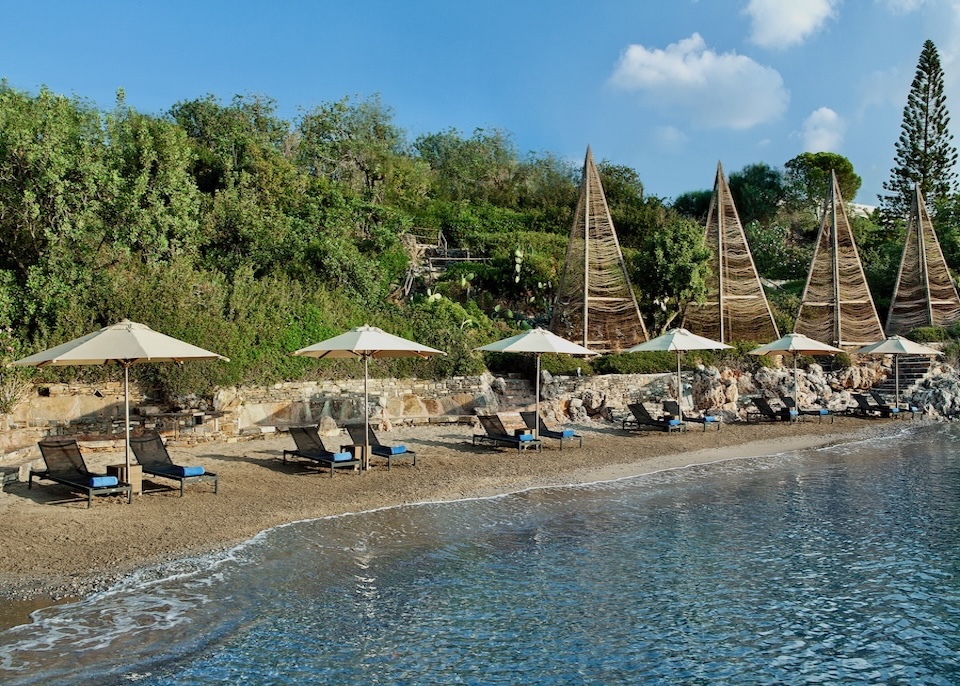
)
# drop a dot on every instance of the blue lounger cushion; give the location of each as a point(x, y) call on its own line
point(103, 481)
point(387, 450)
point(342, 457)
point(568, 433)
point(525, 437)
point(188, 471)
point(673, 422)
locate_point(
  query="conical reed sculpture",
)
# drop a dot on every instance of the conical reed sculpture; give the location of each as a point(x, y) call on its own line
point(595, 304)
point(925, 294)
point(837, 307)
point(736, 307)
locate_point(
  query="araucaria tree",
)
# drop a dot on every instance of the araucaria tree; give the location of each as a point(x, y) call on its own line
point(925, 154)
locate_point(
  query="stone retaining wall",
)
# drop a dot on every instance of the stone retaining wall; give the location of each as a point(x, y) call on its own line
point(95, 413)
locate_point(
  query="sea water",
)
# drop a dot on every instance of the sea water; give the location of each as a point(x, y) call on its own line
point(831, 566)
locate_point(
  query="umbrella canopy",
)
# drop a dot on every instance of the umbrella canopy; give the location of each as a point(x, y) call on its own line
point(678, 341)
point(125, 343)
point(896, 346)
point(795, 344)
point(537, 341)
point(363, 343)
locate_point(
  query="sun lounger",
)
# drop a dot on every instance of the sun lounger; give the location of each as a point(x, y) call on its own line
point(643, 419)
point(672, 407)
point(152, 455)
point(818, 412)
point(310, 447)
point(65, 466)
point(894, 409)
point(530, 419)
point(865, 408)
point(764, 411)
point(497, 435)
point(391, 452)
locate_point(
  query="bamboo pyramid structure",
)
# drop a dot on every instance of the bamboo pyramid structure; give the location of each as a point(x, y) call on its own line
point(837, 307)
point(595, 304)
point(736, 308)
point(925, 294)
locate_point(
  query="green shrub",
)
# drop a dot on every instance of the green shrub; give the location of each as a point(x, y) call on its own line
point(636, 363)
point(951, 353)
point(565, 365)
point(558, 365)
point(785, 303)
point(928, 334)
point(842, 361)
point(448, 326)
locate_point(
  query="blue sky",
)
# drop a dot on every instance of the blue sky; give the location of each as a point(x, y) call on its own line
point(668, 87)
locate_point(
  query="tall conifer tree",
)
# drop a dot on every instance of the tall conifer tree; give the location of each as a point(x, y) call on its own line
point(925, 153)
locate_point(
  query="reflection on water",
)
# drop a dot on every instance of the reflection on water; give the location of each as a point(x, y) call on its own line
point(829, 566)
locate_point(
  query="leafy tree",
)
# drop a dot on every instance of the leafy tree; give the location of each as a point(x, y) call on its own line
point(633, 214)
point(946, 222)
point(548, 192)
point(352, 143)
point(154, 209)
point(231, 139)
point(925, 154)
point(808, 179)
point(53, 176)
point(758, 191)
point(775, 254)
point(694, 204)
point(880, 245)
point(669, 270)
point(482, 168)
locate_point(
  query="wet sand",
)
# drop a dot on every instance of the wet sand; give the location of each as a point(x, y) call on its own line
point(55, 548)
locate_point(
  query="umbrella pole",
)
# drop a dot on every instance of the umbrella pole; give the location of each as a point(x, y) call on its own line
point(796, 385)
point(536, 424)
point(896, 376)
point(679, 384)
point(126, 416)
point(366, 413)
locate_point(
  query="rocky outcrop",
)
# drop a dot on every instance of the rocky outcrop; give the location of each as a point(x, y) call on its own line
point(938, 395)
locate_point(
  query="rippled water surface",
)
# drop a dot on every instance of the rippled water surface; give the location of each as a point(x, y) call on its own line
point(831, 566)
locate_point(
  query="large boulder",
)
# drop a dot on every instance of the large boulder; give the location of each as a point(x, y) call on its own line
point(593, 401)
point(938, 395)
point(708, 388)
point(576, 410)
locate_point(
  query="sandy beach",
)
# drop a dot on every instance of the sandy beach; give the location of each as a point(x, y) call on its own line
point(56, 548)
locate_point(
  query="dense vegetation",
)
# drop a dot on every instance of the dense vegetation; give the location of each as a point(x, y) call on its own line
point(229, 227)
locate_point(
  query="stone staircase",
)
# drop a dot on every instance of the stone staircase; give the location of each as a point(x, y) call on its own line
point(912, 369)
point(518, 393)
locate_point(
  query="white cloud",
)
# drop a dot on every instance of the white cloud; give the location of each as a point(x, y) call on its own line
point(779, 24)
point(902, 6)
point(950, 49)
point(670, 138)
point(887, 88)
point(713, 90)
point(823, 131)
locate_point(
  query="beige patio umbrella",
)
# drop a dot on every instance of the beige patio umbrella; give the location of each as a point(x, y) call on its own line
point(125, 343)
point(795, 344)
point(537, 341)
point(363, 343)
point(679, 341)
point(896, 346)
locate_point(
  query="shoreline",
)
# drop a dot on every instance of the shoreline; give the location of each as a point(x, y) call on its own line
point(58, 551)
